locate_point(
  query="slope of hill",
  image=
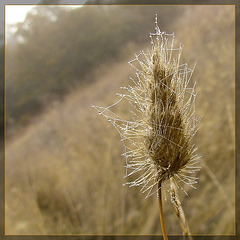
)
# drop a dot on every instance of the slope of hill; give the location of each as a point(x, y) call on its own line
point(64, 174)
point(56, 48)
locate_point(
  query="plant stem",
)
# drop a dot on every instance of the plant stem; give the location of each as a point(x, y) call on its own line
point(161, 211)
point(179, 211)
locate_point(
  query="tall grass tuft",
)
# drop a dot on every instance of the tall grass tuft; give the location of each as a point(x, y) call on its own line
point(158, 138)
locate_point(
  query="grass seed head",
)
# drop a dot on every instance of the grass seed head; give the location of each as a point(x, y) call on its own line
point(158, 138)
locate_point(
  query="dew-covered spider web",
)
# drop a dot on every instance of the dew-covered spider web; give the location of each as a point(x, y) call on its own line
point(144, 121)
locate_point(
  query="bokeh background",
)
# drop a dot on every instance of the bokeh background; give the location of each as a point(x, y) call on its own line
point(64, 169)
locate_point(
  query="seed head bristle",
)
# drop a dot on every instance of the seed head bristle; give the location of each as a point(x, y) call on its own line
point(158, 139)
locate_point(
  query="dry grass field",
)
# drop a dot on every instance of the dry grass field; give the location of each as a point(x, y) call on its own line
point(64, 172)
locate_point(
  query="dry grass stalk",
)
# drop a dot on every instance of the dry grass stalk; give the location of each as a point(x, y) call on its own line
point(158, 138)
point(179, 211)
point(161, 211)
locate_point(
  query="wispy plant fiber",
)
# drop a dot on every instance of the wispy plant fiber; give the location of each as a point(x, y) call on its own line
point(158, 138)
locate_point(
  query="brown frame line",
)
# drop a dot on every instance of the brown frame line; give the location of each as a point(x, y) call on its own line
point(237, 128)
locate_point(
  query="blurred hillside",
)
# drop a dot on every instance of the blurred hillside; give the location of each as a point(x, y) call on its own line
point(66, 167)
point(56, 49)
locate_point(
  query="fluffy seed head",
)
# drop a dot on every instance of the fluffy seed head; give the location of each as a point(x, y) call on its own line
point(158, 138)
